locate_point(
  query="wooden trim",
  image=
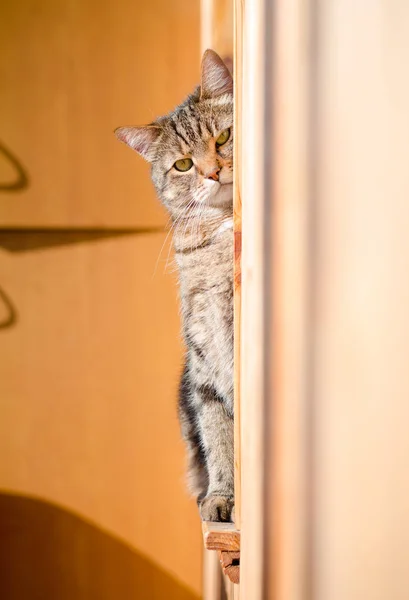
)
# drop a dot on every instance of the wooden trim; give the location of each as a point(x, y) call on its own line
point(213, 583)
point(225, 539)
point(252, 409)
point(221, 536)
point(217, 26)
point(230, 562)
point(275, 196)
point(238, 26)
point(288, 93)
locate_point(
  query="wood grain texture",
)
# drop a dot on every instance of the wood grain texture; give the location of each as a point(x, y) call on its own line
point(221, 536)
point(230, 563)
point(71, 73)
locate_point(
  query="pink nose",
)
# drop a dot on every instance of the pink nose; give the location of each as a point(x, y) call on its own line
point(213, 174)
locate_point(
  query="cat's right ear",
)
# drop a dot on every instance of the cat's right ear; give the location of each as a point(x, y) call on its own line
point(216, 77)
point(141, 139)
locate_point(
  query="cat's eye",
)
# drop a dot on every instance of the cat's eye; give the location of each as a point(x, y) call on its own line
point(223, 137)
point(184, 164)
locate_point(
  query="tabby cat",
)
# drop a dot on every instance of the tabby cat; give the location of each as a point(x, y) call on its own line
point(191, 155)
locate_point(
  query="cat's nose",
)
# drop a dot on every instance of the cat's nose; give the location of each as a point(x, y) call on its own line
point(213, 174)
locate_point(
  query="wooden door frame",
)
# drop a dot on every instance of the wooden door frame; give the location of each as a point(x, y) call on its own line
point(272, 69)
point(275, 186)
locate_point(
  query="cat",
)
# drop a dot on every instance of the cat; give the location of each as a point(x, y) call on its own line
point(191, 156)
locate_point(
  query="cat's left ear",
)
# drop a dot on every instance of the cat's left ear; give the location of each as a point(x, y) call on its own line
point(216, 77)
point(141, 139)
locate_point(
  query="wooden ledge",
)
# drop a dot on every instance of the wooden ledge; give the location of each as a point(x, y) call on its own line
point(225, 538)
point(221, 536)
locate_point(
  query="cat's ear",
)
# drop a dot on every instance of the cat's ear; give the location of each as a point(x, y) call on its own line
point(140, 139)
point(216, 77)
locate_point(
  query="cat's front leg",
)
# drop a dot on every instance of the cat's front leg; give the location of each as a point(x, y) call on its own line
point(217, 434)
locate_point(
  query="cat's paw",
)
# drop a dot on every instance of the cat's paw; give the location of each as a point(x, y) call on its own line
point(217, 508)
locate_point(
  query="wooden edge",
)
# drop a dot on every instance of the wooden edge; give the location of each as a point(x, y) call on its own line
point(230, 562)
point(238, 25)
point(221, 536)
point(213, 579)
point(228, 559)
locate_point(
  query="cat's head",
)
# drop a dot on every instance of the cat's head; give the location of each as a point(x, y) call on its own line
point(191, 149)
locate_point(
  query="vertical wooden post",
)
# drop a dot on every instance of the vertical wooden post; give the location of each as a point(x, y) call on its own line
point(238, 25)
point(252, 170)
point(212, 576)
point(275, 194)
point(291, 159)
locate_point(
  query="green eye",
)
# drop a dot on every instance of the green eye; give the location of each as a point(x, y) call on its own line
point(184, 164)
point(223, 137)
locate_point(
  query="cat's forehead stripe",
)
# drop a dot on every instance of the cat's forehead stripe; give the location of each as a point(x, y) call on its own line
point(191, 119)
point(190, 129)
point(178, 132)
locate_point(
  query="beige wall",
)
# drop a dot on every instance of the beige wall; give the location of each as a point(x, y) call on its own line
point(90, 355)
point(361, 348)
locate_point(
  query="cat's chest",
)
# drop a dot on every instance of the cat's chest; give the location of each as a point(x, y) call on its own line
point(209, 270)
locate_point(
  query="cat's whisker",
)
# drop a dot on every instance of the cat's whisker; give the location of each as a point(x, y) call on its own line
point(161, 250)
point(172, 228)
point(185, 215)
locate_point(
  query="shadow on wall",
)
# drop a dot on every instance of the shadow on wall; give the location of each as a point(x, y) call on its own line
point(11, 312)
point(48, 553)
point(21, 180)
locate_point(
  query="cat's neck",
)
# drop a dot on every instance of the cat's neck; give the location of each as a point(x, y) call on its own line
point(195, 234)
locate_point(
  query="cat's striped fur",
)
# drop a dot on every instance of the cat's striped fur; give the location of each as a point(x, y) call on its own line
point(200, 204)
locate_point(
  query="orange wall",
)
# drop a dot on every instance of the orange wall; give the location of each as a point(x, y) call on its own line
point(71, 73)
point(91, 459)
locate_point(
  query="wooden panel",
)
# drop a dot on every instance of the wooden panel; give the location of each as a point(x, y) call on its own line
point(252, 307)
point(361, 519)
point(221, 536)
point(213, 584)
point(89, 363)
point(325, 484)
point(70, 73)
point(217, 26)
point(230, 562)
point(289, 93)
point(275, 196)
